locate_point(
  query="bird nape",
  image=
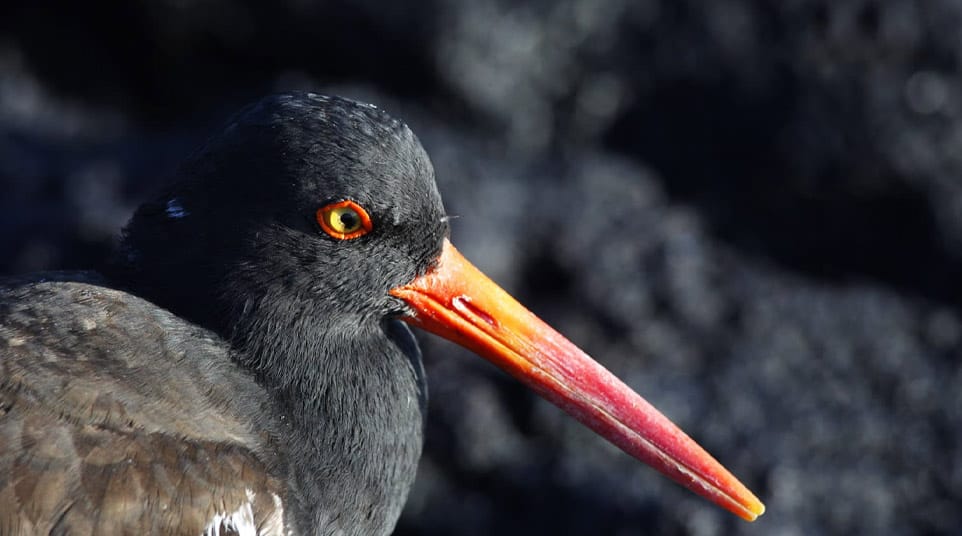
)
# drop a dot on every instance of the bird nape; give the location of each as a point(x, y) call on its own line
point(244, 365)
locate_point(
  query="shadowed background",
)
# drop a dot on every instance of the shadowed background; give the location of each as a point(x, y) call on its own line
point(750, 211)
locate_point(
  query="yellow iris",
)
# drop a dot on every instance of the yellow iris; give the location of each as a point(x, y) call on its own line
point(344, 220)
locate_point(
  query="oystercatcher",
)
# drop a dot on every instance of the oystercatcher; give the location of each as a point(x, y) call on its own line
point(245, 365)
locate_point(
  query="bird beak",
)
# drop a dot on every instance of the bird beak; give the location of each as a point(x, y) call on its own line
point(458, 302)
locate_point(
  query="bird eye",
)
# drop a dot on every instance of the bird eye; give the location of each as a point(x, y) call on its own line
point(344, 220)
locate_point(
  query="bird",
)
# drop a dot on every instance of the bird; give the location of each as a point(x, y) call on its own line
point(245, 365)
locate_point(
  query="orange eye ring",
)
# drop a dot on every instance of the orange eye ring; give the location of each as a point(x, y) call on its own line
point(344, 220)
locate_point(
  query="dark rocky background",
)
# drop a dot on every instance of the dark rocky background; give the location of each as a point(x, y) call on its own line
point(751, 211)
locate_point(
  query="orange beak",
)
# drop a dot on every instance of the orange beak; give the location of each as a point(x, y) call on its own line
point(458, 302)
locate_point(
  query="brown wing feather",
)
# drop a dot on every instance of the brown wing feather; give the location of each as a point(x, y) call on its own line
point(111, 423)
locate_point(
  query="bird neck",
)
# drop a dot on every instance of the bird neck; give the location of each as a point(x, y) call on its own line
point(350, 393)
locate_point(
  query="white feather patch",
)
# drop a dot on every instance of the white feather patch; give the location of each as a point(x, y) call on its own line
point(274, 524)
point(241, 522)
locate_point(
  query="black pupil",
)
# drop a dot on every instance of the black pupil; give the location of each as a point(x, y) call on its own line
point(349, 219)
